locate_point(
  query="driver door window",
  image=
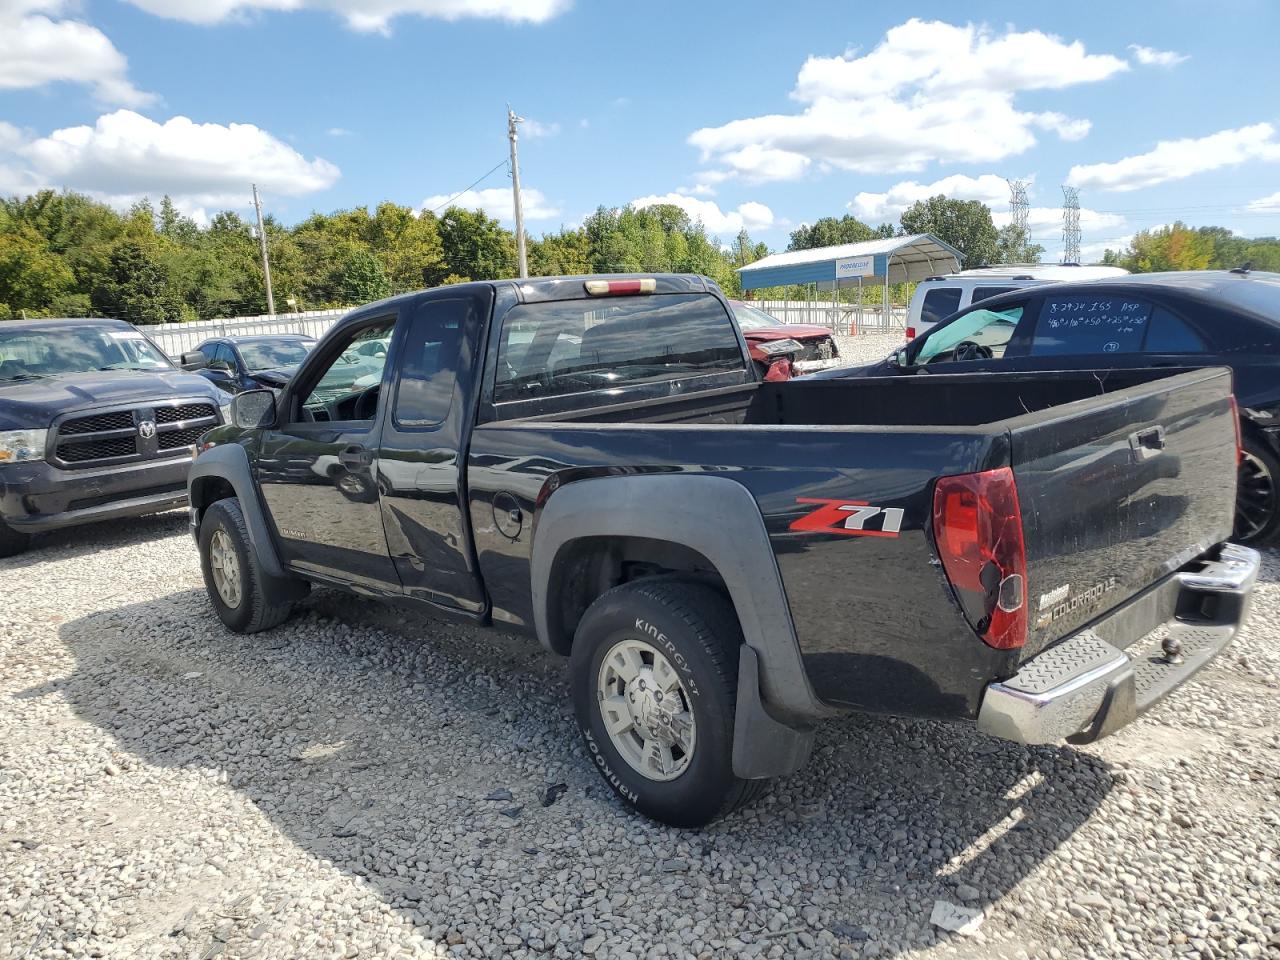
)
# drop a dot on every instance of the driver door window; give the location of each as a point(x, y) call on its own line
point(980, 334)
point(347, 390)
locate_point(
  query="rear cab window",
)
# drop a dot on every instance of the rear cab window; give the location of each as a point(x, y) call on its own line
point(588, 350)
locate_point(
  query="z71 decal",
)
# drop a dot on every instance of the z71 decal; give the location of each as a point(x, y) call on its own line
point(853, 518)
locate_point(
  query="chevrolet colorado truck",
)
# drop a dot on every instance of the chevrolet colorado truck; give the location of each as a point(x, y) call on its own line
point(96, 423)
point(725, 562)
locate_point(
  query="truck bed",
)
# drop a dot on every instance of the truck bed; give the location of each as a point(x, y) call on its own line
point(875, 615)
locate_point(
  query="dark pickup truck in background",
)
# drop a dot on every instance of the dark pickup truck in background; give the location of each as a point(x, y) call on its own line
point(726, 561)
point(96, 423)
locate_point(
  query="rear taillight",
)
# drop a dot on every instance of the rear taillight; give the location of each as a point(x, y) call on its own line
point(911, 333)
point(1235, 418)
point(978, 528)
point(620, 288)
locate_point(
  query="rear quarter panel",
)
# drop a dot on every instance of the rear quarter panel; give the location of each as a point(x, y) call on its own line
point(875, 618)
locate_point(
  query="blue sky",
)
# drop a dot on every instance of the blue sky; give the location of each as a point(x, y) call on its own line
point(749, 113)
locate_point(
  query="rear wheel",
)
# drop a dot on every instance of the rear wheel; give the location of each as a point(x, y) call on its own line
point(1257, 509)
point(655, 675)
point(233, 575)
point(12, 542)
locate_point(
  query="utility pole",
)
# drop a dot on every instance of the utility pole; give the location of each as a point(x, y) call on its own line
point(521, 257)
point(262, 245)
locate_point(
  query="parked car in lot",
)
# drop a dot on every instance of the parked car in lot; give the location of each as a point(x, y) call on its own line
point(779, 349)
point(1187, 319)
point(726, 561)
point(940, 296)
point(96, 423)
point(248, 362)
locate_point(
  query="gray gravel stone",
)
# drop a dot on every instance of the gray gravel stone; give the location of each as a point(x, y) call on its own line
point(313, 793)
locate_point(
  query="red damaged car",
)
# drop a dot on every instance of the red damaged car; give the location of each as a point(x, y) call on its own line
point(784, 350)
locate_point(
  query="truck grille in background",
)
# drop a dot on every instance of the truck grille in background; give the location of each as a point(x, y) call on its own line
point(97, 450)
point(116, 420)
point(113, 436)
point(184, 411)
point(180, 438)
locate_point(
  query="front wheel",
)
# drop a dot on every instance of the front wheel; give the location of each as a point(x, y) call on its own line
point(12, 542)
point(1257, 509)
point(233, 576)
point(654, 675)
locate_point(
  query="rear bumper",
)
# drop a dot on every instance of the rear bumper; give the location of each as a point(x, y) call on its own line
point(1095, 682)
point(39, 496)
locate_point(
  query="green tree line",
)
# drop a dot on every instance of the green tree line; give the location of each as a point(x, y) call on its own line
point(65, 254)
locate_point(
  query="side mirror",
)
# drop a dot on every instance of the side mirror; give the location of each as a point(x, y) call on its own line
point(195, 360)
point(253, 409)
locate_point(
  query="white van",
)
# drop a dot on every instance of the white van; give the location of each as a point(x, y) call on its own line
point(939, 297)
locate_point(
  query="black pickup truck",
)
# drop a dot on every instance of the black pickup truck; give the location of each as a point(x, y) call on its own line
point(96, 423)
point(725, 561)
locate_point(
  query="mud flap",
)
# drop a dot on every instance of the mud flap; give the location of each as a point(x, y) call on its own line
point(762, 746)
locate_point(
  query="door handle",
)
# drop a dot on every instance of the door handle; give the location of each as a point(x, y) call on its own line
point(355, 456)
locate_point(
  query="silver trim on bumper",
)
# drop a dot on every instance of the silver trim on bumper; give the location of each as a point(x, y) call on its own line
point(1083, 688)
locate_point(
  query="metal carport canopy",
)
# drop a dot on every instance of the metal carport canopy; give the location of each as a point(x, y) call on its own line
point(890, 260)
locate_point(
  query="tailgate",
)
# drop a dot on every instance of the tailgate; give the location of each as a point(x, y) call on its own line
point(1119, 490)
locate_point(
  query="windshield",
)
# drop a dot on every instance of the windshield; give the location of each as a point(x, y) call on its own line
point(984, 333)
point(753, 318)
point(273, 354)
point(27, 353)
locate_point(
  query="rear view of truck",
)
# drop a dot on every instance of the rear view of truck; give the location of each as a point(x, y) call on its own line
point(1093, 558)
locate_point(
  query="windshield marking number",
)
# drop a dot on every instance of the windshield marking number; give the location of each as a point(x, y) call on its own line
point(849, 517)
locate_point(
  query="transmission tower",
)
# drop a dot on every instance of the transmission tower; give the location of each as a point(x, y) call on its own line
point(1070, 225)
point(1019, 204)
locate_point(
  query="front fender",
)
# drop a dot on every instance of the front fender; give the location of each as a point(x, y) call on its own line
point(228, 465)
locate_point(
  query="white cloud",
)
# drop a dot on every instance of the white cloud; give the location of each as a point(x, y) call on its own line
point(1177, 159)
point(533, 129)
point(1046, 222)
point(929, 92)
point(750, 215)
point(1093, 250)
point(498, 203)
point(10, 137)
point(878, 207)
point(124, 156)
point(36, 50)
point(1149, 57)
point(363, 15)
point(339, 132)
point(1269, 204)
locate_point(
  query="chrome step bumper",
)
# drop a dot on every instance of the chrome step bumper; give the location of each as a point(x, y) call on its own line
point(1085, 687)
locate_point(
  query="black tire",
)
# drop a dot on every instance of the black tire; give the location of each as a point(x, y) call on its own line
point(12, 542)
point(252, 613)
point(1257, 500)
point(696, 629)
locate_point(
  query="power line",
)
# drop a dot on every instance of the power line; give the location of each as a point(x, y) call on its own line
point(485, 176)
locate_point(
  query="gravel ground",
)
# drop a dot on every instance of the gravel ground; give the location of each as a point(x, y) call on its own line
point(361, 783)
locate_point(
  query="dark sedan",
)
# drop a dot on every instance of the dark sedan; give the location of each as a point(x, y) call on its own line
point(248, 363)
point(1227, 318)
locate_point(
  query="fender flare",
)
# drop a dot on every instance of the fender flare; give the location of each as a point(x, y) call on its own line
point(720, 519)
point(229, 463)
